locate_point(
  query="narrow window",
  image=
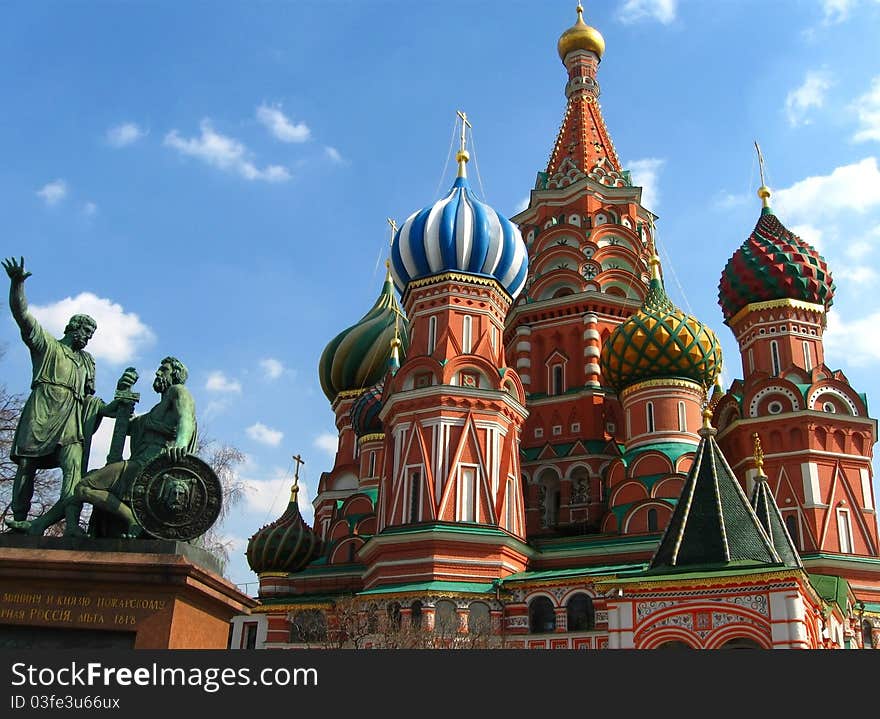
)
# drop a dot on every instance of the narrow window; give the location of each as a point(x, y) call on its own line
point(372, 472)
point(791, 524)
point(649, 411)
point(652, 520)
point(250, 636)
point(751, 360)
point(511, 496)
point(415, 616)
point(682, 418)
point(415, 496)
point(844, 531)
point(466, 504)
point(629, 430)
point(467, 324)
point(432, 334)
point(808, 360)
point(493, 336)
point(558, 379)
point(774, 357)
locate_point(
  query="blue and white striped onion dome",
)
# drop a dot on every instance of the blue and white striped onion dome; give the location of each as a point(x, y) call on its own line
point(459, 234)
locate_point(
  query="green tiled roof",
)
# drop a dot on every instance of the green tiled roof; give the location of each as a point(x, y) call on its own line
point(832, 589)
point(466, 587)
point(713, 522)
point(742, 568)
point(673, 450)
point(543, 575)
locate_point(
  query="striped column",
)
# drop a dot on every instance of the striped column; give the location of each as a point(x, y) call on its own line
point(591, 350)
point(523, 354)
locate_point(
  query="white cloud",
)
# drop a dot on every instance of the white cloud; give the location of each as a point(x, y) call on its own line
point(280, 125)
point(660, 10)
point(125, 134)
point(333, 154)
point(259, 432)
point(53, 192)
point(836, 11)
point(120, 335)
point(328, 442)
point(726, 200)
point(225, 153)
point(867, 108)
point(854, 340)
point(90, 209)
point(810, 94)
point(849, 188)
point(272, 368)
point(645, 174)
point(219, 382)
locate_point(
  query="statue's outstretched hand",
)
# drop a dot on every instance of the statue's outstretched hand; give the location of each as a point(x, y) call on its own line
point(129, 377)
point(15, 270)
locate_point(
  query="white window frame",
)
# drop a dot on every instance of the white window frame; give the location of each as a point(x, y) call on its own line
point(432, 334)
point(468, 480)
point(467, 332)
point(844, 531)
point(649, 417)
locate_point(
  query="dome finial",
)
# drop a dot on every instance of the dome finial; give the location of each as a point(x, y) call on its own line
point(759, 456)
point(654, 259)
point(294, 490)
point(463, 155)
point(763, 190)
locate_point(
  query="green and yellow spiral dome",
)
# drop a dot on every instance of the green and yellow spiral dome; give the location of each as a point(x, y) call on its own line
point(660, 341)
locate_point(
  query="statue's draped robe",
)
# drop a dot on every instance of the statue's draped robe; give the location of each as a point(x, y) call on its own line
point(61, 409)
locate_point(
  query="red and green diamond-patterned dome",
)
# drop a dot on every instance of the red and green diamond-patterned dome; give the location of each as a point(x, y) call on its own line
point(660, 341)
point(774, 264)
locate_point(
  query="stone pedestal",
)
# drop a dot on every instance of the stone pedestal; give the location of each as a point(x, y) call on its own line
point(143, 594)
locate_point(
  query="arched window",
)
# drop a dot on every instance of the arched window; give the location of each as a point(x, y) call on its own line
point(394, 616)
point(675, 645)
point(432, 333)
point(581, 617)
point(415, 614)
point(558, 380)
point(682, 418)
point(466, 334)
point(741, 643)
point(774, 358)
point(445, 618)
point(542, 618)
point(867, 636)
point(415, 496)
point(372, 468)
point(652, 520)
point(649, 413)
point(479, 619)
point(808, 359)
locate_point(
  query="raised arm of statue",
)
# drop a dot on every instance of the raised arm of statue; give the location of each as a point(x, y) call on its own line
point(184, 408)
point(17, 300)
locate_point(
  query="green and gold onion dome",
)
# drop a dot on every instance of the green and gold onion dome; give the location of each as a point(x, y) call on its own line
point(286, 545)
point(358, 357)
point(581, 36)
point(660, 341)
point(773, 264)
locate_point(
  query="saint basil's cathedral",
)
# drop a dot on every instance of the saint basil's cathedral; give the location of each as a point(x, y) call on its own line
point(535, 450)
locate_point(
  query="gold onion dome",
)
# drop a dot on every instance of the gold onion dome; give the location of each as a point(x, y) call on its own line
point(581, 36)
point(660, 341)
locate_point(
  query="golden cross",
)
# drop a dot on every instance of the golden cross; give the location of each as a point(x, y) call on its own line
point(464, 125)
point(760, 162)
point(299, 460)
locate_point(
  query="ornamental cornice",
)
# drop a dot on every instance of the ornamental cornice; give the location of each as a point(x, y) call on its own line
point(660, 585)
point(774, 304)
point(670, 382)
point(375, 437)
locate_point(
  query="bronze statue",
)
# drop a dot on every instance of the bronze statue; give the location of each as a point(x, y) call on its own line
point(168, 429)
point(62, 412)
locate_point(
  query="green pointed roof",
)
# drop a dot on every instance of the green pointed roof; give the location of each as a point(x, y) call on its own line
point(771, 520)
point(713, 523)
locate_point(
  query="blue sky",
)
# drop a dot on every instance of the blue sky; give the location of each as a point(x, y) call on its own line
point(212, 180)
